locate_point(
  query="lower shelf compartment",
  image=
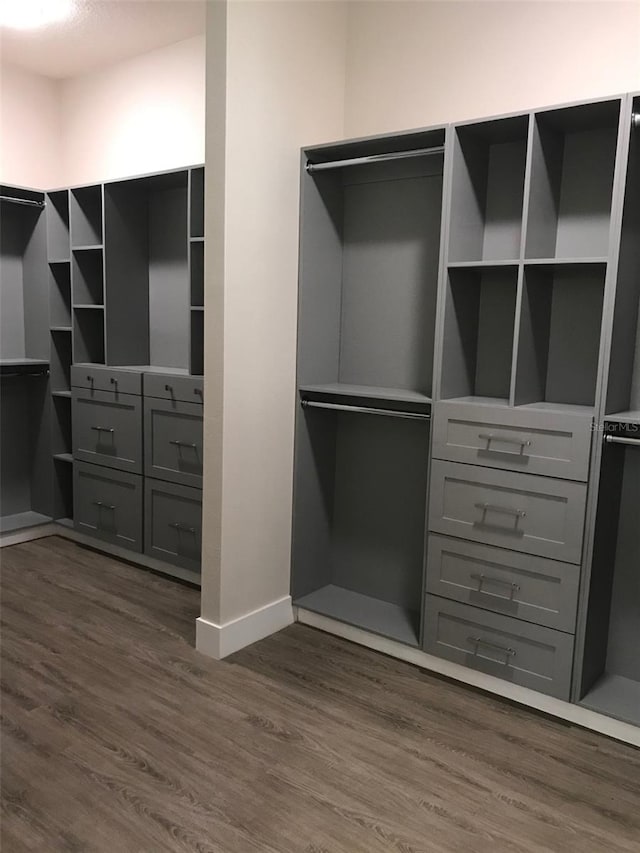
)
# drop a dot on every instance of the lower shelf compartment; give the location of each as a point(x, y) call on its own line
point(362, 611)
point(22, 520)
point(615, 696)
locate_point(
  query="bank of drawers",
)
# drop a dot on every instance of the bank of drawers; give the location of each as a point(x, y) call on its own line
point(147, 426)
point(506, 519)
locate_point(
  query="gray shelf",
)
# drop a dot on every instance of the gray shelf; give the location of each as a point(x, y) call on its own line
point(362, 611)
point(22, 521)
point(615, 696)
point(27, 366)
point(366, 395)
point(632, 417)
point(62, 394)
point(85, 208)
point(63, 457)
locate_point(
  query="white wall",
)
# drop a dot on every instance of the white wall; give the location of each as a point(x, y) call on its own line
point(412, 64)
point(285, 68)
point(30, 139)
point(142, 115)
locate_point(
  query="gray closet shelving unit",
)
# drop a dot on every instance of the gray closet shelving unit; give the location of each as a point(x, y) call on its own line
point(505, 537)
point(117, 277)
point(25, 492)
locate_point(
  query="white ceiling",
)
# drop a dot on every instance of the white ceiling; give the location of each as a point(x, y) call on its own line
point(101, 33)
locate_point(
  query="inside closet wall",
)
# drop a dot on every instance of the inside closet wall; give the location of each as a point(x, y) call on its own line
point(349, 69)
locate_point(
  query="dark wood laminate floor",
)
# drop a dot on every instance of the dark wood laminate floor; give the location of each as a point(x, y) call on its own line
point(117, 736)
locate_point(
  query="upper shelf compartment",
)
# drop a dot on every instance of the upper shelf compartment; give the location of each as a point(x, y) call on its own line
point(86, 217)
point(370, 247)
point(572, 167)
point(487, 191)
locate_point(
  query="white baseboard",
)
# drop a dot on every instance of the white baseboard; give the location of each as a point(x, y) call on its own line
point(522, 695)
point(27, 535)
point(219, 641)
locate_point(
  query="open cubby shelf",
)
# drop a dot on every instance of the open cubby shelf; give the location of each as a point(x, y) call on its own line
point(61, 358)
point(196, 203)
point(480, 310)
point(58, 225)
point(88, 277)
point(488, 190)
point(86, 216)
point(197, 343)
point(197, 274)
point(573, 159)
point(560, 331)
point(88, 337)
point(360, 519)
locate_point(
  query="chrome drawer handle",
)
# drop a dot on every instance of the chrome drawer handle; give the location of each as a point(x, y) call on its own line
point(103, 429)
point(505, 510)
point(504, 650)
point(505, 439)
point(514, 587)
point(183, 443)
point(180, 526)
point(102, 505)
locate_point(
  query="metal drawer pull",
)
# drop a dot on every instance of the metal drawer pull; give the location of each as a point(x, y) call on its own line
point(102, 505)
point(505, 510)
point(503, 650)
point(514, 587)
point(113, 381)
point(179, 443)
point(180, 526)
point(505, 439)
point(103, 429)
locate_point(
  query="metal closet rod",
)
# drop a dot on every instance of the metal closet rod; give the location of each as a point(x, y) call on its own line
point(367, 410)
point(374, 158)
point(617, 439)
point(26, 201)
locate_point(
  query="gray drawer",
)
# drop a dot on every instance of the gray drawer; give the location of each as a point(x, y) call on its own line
point(173, 523)
point(187, 389)
point(531, 588)
point(529, 655)
point(107, 504)
point(555, 444)
point(99, 378)
point(522, 512)
point(107, 429)
point(173, 441)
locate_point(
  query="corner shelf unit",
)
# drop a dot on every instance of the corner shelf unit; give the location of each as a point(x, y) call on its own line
point(528, 361)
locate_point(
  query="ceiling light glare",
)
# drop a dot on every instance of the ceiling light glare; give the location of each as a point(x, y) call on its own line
point(31, 14)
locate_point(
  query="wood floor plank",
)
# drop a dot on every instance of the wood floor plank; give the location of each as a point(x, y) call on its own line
point(117, 737)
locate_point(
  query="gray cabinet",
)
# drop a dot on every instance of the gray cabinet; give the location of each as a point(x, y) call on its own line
point(108, 505)
point(534, 589)
point(506, 648)
point(107, 429)
point(173, 523)
point(537, 515)
point(173, 441)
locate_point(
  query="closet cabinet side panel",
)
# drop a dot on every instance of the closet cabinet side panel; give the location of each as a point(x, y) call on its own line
point(15, 487)
point(623, 657)
point(313, 502)
point(169, 285)
point(39, 426)
point(12, 329)
point(320, 274)
point(126, 274)
point(36, 290)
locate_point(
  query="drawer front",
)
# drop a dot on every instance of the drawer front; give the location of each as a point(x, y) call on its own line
point(173, 523)
point(529, 655)
point(188, 389)
point(173, 441)
point(530, 588)
point(95, 377)
point(549, 443)
point(107, 429)
point(537, 515)
point(107, 504)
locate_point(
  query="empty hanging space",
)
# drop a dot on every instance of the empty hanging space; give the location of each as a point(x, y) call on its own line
point(60, 294)
point(623, 393)
point(87, 277)
point(560, 329)
point(58, 226)
point(370, 247)
point(611, 671)
point(359, 520)
point(146, 264)
point(480, 307)
point(86, 217)
point(573, 161)
point(487, 190)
